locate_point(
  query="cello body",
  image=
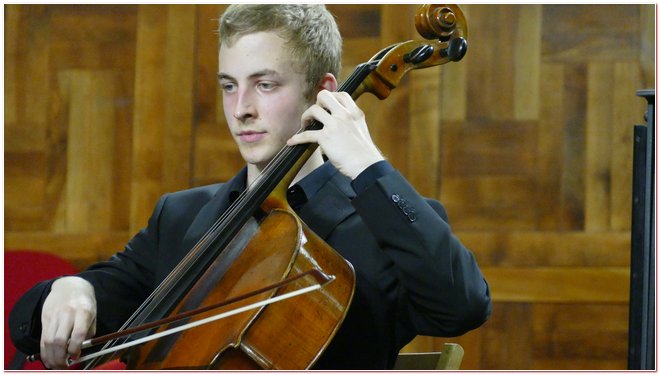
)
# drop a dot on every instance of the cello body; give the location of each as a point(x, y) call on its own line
point(289, 334)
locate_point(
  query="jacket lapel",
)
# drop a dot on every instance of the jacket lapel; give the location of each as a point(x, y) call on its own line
point(210, 213)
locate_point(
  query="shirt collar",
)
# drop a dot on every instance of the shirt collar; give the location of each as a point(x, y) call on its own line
point(298, 194)
point(237, 185)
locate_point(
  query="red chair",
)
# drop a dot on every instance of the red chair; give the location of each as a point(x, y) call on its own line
point(112, 365)
point(23, 269)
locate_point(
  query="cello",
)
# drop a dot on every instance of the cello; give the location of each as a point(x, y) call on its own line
point(284, 291)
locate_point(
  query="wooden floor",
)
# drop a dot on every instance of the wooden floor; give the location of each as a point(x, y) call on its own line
point(527, 142)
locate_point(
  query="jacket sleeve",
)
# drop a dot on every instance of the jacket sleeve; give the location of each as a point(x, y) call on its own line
point(120, 284)
point(443, 290)
point(125, 280)
point(25, 318)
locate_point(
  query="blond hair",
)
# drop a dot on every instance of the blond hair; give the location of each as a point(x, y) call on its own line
point(310, 31)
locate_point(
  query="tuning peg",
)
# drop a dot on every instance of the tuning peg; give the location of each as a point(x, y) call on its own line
point(456, 49)
point(419, 54)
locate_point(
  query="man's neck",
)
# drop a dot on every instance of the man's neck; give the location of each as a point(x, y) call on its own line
point(315, 161)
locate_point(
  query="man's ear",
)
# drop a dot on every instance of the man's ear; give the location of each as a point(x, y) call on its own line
point(328, 82)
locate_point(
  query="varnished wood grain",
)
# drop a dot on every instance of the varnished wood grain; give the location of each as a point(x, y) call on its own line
point(527, 78)
point(164, 105)
point(550, 140)
point(599, 146)
point(527, 142)
point(548, 249)
point(425, 135)
point(565, 284)
point(87, 201)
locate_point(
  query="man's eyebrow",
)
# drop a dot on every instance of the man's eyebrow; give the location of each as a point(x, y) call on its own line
point(222, 76)
point(260, 73)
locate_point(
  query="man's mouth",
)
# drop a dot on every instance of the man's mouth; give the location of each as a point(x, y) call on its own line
point(251, 136)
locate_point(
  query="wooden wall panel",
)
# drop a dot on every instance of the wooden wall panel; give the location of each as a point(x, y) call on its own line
point(527, 142)
point(87, 202)
point(163, 105)
point(215, 156)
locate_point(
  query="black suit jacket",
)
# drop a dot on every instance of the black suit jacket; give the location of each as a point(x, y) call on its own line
point(413, 275)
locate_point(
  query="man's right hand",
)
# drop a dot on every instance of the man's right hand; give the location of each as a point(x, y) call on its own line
point(68, 318)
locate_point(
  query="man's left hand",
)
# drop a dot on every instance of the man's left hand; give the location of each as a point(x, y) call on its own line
point(345, 138)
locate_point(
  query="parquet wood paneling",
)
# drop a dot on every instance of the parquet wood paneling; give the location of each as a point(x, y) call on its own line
point(551, 132)
point(527, 142)
point(527, 57)
point(548, 249)
point(87, 202)
point(163, 105)
point(594, 342)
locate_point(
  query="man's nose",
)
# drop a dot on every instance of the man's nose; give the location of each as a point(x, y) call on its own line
point(244, 108)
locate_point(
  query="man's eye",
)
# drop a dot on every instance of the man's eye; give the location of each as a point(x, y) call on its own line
point(266, 86)
point(228, 87)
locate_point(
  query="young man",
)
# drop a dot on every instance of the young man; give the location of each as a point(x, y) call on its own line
point(277, 69)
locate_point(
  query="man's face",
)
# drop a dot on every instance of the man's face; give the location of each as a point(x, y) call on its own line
point(263, 96)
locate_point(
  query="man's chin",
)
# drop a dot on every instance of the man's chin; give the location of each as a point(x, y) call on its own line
point(259, 161)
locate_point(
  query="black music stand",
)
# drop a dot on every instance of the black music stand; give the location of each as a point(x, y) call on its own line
point(641, 324)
